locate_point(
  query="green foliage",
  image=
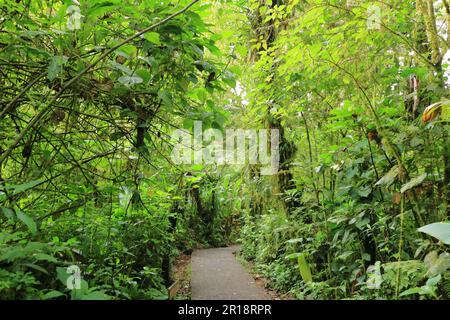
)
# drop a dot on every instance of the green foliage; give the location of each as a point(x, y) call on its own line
point(440, 231)
point(84, 177)
point(367, 173)
point(91, 91)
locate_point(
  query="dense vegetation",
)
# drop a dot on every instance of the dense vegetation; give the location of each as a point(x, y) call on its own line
point(91, 91)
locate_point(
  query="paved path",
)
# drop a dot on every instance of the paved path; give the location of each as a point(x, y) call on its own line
point(217, 275)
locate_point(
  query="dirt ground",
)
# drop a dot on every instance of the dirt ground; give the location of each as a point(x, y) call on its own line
point(182, 273)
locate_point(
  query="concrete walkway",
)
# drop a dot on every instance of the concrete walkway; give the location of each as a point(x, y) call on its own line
point(217, 275)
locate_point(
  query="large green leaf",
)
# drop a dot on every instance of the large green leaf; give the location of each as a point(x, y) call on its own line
point(27, 220)
point(52, 294)
point(55, 66)
point(153, 37)
point(95, 295)
point(45, 257)
point(303, 266)
point(439, 230)
point(18, 188)
point(9, 213)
